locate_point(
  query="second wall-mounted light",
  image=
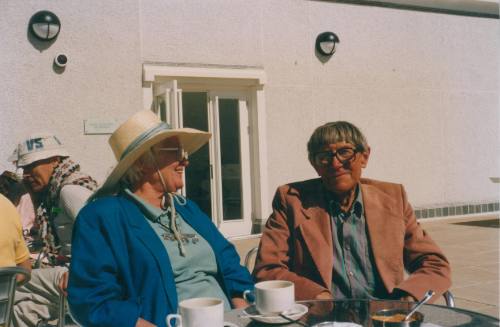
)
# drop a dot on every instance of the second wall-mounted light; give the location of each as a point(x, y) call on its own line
point(326, 43)
point(44, 25)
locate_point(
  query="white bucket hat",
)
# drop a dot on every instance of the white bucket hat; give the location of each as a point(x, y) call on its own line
point(138, 134)
point(37, 147)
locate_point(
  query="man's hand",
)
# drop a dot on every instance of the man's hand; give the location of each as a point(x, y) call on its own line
point(401, 295)
point(408, 298)
point(63, 283)
point(26, 265)
point(325, 295)
point(322, 307)
point(143, 323)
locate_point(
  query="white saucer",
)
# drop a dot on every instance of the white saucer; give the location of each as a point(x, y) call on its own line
point(294, 313)
point(351, 324)
point(336, 324)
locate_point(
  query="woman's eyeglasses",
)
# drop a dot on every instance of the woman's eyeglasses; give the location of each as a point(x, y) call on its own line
point(181, 154)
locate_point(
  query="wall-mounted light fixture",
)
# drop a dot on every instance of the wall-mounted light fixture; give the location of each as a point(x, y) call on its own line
point(326, 43)
point(45, 25)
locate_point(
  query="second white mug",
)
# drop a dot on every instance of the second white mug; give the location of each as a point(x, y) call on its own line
point(273, 296)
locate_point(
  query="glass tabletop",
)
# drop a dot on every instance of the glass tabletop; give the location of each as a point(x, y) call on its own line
point(360, 311)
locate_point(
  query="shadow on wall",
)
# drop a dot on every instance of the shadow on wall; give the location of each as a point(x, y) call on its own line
point(44, 45)
point(36, 43)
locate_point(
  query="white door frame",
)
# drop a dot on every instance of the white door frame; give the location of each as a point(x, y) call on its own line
point(219, 79)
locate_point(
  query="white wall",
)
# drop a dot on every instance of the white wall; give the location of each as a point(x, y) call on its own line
point(102, 78)
point(422, 86)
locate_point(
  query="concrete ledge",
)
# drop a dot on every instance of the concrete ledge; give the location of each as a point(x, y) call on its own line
point(477, 8)
point(457, 209)
point(245, 237)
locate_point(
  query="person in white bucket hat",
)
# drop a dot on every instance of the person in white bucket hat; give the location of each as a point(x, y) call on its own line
point(139, 248)
point(59, 190)
point(37, 147)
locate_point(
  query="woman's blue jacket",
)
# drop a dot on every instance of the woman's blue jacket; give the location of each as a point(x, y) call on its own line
point(120, 270)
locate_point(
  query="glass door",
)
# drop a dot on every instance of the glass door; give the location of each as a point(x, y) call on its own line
point(218, 175)
point(199, 173)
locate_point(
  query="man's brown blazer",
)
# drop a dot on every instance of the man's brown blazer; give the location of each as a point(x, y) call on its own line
point(296, 244)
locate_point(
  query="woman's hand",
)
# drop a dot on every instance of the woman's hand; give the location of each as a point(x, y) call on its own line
point(239, 303)
point(143, 323)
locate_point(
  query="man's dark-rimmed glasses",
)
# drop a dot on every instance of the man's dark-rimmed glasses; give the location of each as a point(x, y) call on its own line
point(343, 155)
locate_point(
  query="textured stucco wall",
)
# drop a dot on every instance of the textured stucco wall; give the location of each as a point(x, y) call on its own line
point(422, 86)
point(102, 78)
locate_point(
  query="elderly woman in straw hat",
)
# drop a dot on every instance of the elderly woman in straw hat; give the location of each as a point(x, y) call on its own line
point(140, 248)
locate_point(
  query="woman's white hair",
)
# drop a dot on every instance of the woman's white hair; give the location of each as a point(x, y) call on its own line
point(135, 172)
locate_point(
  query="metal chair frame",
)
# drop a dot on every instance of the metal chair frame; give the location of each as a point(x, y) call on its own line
point(448, 296)
point(65, 317)
point(449, 299)
point(62, 310)
point(8, 284)
point(249, 255)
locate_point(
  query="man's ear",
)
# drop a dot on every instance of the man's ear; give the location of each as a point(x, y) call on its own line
point(364, 157)
point(316, 169)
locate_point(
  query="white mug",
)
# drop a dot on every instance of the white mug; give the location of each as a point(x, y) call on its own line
point(273, 296)
point(201, 311)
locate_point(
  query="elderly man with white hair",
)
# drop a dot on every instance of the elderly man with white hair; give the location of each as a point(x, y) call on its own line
point(343, 236)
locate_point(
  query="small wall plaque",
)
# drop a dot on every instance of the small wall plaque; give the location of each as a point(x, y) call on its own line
point(99, 126)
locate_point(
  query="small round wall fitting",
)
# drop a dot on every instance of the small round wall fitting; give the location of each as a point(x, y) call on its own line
point(326, 43)
point(61, 60)
point(45, 25)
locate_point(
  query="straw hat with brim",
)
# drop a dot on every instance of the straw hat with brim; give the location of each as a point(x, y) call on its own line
point(37, 147)
point(138, 134)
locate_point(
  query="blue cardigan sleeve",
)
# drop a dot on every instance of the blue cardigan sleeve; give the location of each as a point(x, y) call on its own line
point(233, 277)
point(95, 296)
point(236, 278)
